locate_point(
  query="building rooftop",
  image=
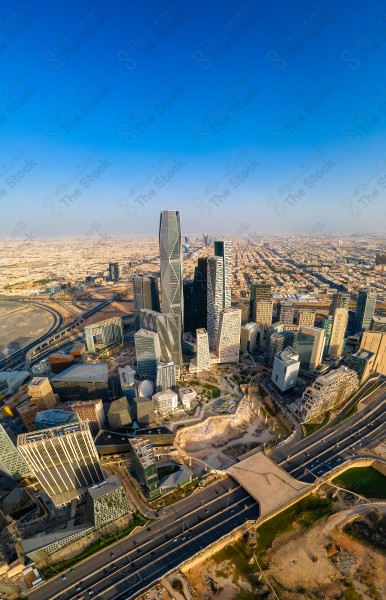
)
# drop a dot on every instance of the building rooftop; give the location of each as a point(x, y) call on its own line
point(105, 487)
point(30, 438)
point(60, 417)
point(96, 373)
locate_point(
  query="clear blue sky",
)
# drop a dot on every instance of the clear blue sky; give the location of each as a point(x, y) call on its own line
point(266, 113)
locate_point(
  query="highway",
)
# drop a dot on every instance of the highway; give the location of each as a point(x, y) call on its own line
point(324, 450)
point(134, 563)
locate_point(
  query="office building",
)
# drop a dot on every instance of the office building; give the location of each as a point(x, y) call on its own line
point(127, 382)
point(171, 264)
point(90, 411)
point(274, 328)
point(327, 324)
point(286, 313)
point(317, 333)
point(202, 360)
point(118, 414)
point(88, 382)
point(41, 392)
point(364, 313)
point(148, 353)
point(165, 402)
point(215, 297)
point(104, 334)
point(278, 342)
point(326, 393)
point(244, 309)
point(223, 249)
point(363, 363)
point(378, 323)
point(12, 463)
point(41, 398)
point(166, 377)
point(248, 338)
point(167, 326)
point(54, 418)
point(200, 292)
point(187, 398)
point(107, 501)
point(228, 342)
point(145, 292)
point(375, 342)
point(306, 317)
point(145, 465)
point(339, 300)
point(63, 459)
point(144, 410)
point(338, 332)
point(60, 361)
point(114, 272)
point(189, 306)
point(285, 370)
point(259, 292)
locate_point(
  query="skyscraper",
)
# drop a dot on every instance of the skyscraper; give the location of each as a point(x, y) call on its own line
point(224, 249)
point(306, 317)
point(286, 312)
point(11, 462)
point(148, 353)
point(200, 292)
point(189, 306)
point(365, 309)
point(168, 328)
point(114, 273)
point(248, 337)
point(166, 377)
point(146, 295)
point(228, 342)
point(171, 263)
point(285, 370)
point(339, 300)
point(215, 296)
point(262, 313)
point(338, 331)
point(258, 292)
point(317, 344)
point(202, 360)
point(63, 459)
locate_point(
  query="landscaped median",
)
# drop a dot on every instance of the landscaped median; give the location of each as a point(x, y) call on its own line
point(51, 570)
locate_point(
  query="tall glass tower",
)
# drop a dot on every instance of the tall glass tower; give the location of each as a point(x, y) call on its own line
point(171, 263)
point(365, 309)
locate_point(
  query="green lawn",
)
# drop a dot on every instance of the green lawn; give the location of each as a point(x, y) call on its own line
point(363, 480)
point(310, 428)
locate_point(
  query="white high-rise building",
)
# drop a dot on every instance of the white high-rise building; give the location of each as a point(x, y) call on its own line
point(339, 327)
point(248, 338)
point(63, 459)
point(285, 370)
point(202, 360)
point(166, 376)
point(228, 342)
point(215, 297)
point(224, 250)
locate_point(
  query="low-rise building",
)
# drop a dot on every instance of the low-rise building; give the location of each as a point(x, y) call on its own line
point(165, 402)
point(187, 397)
point(119, 414)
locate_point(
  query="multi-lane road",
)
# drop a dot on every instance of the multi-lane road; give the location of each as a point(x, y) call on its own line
point(315, 455)
point(133, 564)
